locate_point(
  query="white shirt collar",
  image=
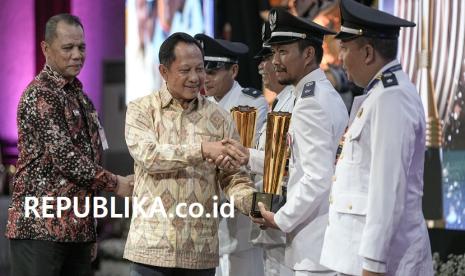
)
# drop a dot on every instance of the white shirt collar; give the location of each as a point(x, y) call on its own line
point(230, 93)
point(285, 92)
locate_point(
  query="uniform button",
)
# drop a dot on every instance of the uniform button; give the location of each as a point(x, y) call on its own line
point(334, 178)
point(350, 207)
point(330, 199)
point(359, 114)
point(341, 156)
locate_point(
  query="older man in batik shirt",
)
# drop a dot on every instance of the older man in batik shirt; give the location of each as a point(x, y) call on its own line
point(170, 134)
point(60, 149)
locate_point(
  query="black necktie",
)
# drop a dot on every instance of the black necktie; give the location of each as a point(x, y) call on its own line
point(275, 102)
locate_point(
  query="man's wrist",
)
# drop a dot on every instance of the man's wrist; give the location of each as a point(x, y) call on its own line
point(374, 266)
point(118, 181)
point(247, 164)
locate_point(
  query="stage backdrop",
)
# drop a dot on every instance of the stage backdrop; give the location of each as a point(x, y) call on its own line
point(448, 73)
point(148, 24)
point(22, 22)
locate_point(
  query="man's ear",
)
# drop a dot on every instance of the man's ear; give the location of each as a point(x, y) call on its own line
point(163, 71)
point(44, 46)
point(235, 70)
point(309, 55)
point(369, 54)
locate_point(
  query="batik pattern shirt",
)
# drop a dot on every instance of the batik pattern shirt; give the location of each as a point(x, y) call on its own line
point(165, 141)
point(59, 155)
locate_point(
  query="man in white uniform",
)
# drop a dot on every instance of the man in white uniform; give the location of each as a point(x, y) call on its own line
point(272, 241)
point(376, 225)
point(222, 67)
point(237, 255)
point(318, 121)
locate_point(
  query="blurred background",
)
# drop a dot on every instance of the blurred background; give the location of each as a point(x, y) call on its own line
point(123, 38)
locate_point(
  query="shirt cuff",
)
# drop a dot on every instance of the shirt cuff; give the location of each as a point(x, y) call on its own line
point(194, 153)
point(374, 266)
point(278, 220)
point(255, 158)
point(104, 180)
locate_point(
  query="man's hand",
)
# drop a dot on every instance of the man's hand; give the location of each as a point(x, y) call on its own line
point(236, 155)
point(217, 151)
point(237, 151)
point(211, 150)
point(124, 186)
point(131, 178)
point(369, 273)
point(226, 162)
point(93, 252)
point(267, 219)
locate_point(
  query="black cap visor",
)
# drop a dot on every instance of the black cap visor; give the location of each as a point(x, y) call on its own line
point(345, 36)
point(263, 53)
point(276, 40)
point(215, 65)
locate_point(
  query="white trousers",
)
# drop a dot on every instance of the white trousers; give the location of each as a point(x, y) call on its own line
point(314, 273)
point(247, 262)
point(273, 257)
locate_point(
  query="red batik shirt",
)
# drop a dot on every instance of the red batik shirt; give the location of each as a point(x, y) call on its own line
point(60, 151)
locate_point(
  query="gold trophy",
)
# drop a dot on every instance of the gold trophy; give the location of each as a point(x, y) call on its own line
point(246, 119)
point(276, 156)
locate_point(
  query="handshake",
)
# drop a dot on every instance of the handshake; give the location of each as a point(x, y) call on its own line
point(125, 185)
point(227, 154)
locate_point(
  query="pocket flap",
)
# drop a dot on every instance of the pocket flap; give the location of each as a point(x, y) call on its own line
point(351, 204)
point(354, 131)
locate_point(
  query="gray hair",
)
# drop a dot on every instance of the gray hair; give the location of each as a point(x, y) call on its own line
point(52, 22)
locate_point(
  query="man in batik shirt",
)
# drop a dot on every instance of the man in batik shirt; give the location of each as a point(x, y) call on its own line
point(60, 147)
point(171, 134)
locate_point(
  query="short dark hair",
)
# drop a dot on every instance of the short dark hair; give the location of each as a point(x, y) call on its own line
point(387, 48)
point(166, 54)
point(304, 43)
point(52, 22)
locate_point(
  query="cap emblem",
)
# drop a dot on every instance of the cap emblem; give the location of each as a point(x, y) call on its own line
point(272, 20)
point(263, 32)
point(201, 44)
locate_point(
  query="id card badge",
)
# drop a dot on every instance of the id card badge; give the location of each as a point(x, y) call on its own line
point(103, 138)
point(290, 143)
point(101, 132)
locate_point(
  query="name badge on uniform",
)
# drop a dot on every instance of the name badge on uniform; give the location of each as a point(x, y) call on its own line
point(289, 140)
point(101, 131)
point(289, 146)
point(259, 136)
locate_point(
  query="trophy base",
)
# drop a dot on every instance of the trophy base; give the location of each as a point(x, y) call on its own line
point(271, 201)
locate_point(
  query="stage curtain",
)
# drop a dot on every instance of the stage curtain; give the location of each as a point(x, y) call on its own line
point(43, 10)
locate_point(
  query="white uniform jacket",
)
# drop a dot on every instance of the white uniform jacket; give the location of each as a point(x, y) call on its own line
point(286, 99)
point(234, 232)
point(375, 215)
point(319, 119)
point(245, 96)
